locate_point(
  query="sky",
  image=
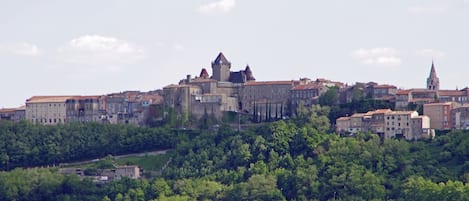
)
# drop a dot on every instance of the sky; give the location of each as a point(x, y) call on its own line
point(89, 47)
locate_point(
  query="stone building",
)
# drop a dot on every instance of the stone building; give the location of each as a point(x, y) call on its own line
point(399, 124)
point(342, 125)
point(47, 110)
point(270, 97)
point(382, 92)
point(460, 118)
point(387, 124)
point(213, 94)
point(309, 91)
point(85, 108)
point(440, 115)
point(13, 114)
point(130, 107)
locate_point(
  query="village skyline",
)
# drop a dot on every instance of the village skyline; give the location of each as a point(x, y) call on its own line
point(88, 47)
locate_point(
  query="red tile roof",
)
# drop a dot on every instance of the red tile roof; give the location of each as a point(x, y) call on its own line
point(451, 93)
point(48, 99)
point(306, 86)
point(385, 86)
point(343, 119)
point(256, 83)
point(402, 92)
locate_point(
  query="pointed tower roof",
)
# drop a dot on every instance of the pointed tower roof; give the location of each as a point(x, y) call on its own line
point(204, 74)
point(432, 70)
point(249, 75)
point(433, 82)
point(221, 59)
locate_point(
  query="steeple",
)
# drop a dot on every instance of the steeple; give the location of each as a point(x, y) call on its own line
point(433, 82)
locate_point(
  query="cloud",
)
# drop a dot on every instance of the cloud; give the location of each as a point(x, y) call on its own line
point(101, 51)
point(377, 56)
point(428, 9)
point(220, 6)
point(430, 53)
point(22, 49)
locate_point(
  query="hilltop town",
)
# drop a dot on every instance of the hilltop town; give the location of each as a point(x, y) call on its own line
point(413, 113)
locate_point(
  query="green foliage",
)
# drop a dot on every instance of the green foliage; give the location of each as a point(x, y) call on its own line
point(147, 162)
point(25, 145)
point(314, 116)
point(329, 98)
point(284, 160)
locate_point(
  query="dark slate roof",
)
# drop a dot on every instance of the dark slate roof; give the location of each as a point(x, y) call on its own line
point(221, 59)
point(238, 77)
point(433, 71)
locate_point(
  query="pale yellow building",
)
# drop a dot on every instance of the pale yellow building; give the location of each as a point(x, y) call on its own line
point(342, 125)
point(47, 110)
point(387, 124)
point(399, 124)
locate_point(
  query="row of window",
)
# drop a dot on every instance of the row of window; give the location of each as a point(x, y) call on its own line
point(49, 121)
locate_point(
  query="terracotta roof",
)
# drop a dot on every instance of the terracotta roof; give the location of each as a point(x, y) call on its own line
point(380, 111)
point(57, 99)
point(400, 112)
point(7, 110)
point(257, 83)
point(358, 115)
point(306, 86)
point(451, 93)
point(402, 92)
point(384, 86)
point(48, 99)
point(343, 119)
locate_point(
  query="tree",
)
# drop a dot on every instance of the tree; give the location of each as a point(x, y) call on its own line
point(329, 98)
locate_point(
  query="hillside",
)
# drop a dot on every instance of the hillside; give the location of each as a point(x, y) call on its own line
point(286, 160)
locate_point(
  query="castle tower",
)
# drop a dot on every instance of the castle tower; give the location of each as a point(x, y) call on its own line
point(221, 68)
point(433, 82)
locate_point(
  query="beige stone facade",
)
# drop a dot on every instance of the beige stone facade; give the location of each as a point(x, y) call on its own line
point(440, 115)
point(258, 94)
point(47, 110)
point(342, 125)
point(386, 124)
point(399, 124)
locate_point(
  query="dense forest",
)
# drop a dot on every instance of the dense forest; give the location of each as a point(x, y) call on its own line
point(27, 145)
point(297, 159)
